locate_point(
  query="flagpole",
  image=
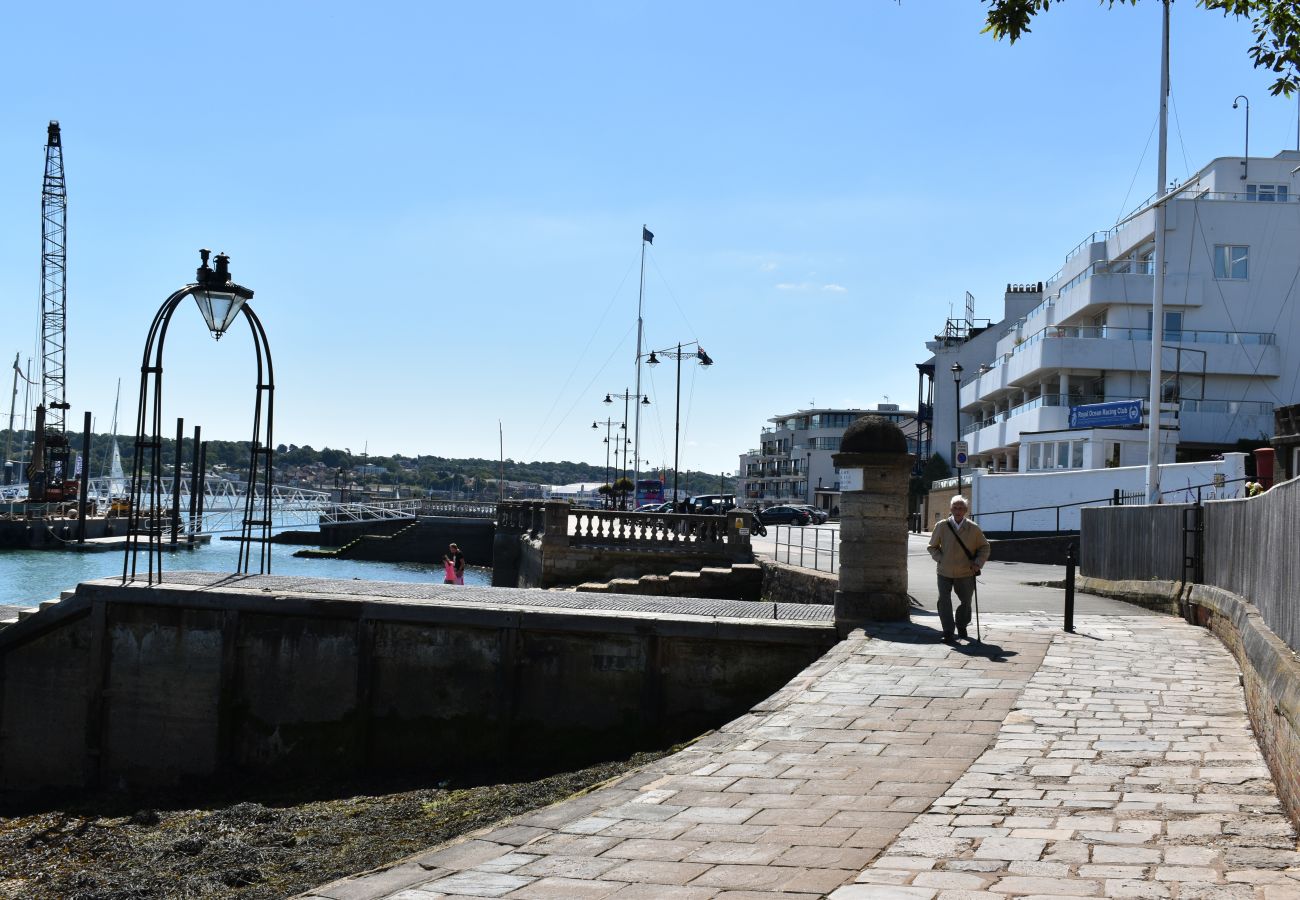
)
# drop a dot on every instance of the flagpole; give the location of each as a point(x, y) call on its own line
point(1158, 288)
point(636, 439)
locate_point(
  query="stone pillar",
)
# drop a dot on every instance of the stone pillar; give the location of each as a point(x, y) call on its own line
point(873, 524)
point(738, 545)
point(556, 518)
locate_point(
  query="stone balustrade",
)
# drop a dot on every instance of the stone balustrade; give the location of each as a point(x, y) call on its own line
point(549, 543)
point(679, 531)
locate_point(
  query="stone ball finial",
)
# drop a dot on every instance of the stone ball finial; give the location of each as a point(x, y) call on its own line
point(873, 434)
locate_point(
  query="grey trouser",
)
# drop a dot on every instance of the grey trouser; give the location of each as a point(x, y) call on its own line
point(965, 587)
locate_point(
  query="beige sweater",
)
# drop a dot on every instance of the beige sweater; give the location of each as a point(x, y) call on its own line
point(947, 552)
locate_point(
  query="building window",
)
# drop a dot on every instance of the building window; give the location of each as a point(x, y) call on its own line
point(1173, 325)
point(1267, 193)
point(1230, 261)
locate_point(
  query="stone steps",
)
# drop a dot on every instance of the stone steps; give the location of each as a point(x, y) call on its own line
point(743, 581)
point(28, 611)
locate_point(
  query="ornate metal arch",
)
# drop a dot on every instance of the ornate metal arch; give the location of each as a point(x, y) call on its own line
point(147, 522)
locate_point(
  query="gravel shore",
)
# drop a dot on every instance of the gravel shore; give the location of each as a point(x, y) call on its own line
point(255, 844)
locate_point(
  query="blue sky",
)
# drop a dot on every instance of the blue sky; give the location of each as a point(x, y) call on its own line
point(439, 206)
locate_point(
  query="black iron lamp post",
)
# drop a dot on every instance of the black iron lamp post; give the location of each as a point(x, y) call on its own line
point(609, 425)
point(678, 354)
point(220, 302)
point(627, 396)
point(956, 415)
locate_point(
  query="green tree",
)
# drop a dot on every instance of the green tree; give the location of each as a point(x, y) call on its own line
point(1275, 24)
point(934, 469)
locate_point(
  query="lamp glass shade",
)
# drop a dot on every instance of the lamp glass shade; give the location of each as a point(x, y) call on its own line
point(218, 309)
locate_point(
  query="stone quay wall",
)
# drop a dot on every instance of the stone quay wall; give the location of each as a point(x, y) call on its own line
point(1270, 677)
point(423, 541)
point(157, 685)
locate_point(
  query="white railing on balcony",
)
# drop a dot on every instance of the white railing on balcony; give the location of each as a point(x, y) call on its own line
point(1113, 333)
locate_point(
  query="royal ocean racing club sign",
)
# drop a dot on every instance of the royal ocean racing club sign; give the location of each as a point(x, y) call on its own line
point(1106, 415)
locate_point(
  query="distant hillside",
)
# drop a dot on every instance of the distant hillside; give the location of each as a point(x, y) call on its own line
point(434, 472)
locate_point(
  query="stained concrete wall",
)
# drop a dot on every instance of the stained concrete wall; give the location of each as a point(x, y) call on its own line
point(425, 541)
point(156, 685)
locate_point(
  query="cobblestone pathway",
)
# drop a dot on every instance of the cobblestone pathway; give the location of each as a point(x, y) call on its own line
point(1117, 762)
point(1127, 769)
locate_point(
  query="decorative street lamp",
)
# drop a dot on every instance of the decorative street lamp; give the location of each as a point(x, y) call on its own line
point(609, 425)
point(628, 396)
point(220, 302)
point(678, 354)
point(956, 383)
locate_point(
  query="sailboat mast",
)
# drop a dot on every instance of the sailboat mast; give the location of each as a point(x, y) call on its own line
point(13, 398)
point(1158, 291)
point(112, 430)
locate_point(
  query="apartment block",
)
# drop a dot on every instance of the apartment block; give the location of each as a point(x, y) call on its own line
point(792, 463)
point(1230, 351)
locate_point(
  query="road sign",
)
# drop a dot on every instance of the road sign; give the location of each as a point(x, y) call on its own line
point(960, 453)
point(1103, 415)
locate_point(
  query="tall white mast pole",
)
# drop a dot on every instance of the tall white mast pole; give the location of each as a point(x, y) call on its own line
point(636, 445)
point(1158, 292)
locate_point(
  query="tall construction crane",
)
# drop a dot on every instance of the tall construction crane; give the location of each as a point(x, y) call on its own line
point(50, 460)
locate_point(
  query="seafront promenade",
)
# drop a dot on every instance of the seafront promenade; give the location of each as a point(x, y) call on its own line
point(1117, 761)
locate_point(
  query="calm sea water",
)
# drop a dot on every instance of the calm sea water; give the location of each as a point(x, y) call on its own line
point(30, 576)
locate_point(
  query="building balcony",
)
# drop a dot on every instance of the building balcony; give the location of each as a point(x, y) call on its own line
point(1220, 421)
point(1107, 348)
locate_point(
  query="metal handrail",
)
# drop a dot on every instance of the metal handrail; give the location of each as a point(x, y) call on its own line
point(1103, 501)
point(819, 555)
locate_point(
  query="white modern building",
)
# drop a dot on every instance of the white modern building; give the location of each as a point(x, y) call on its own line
point(1231, 346)
point(792, 463)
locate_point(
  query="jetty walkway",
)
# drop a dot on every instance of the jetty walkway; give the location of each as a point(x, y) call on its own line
point(1117, 761)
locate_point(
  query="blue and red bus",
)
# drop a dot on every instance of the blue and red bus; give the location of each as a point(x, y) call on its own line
point(649, 490)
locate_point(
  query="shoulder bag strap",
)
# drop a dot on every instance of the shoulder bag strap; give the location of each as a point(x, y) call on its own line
point(953, 529)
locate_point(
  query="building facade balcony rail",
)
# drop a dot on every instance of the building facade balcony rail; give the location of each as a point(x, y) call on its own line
point(1114, 333)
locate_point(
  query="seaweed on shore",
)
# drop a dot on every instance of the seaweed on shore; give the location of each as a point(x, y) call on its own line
point(264, 841)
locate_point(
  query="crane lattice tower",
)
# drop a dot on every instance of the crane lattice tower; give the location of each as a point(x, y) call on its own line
point(54, 284)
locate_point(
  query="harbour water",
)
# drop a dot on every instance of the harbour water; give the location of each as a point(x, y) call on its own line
point(29, 576)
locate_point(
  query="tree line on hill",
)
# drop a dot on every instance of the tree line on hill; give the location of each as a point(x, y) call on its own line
point(425, 471)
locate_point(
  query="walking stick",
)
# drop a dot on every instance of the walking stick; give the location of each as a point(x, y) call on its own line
point(979, 633)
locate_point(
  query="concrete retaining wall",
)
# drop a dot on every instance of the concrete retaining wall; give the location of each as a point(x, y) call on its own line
point(156, 685)
point(792, 584)
point(425, 541)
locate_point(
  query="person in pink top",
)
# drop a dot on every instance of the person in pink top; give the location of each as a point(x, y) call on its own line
point(453, 563)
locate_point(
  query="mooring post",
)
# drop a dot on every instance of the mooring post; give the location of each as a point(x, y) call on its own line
point(83, 498)
point(176, 481)
point(1069, 588)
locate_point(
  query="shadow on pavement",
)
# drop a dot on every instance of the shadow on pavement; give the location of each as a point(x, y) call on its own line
point(912, 633)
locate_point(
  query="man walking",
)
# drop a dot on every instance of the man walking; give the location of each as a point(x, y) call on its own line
point(959, 547)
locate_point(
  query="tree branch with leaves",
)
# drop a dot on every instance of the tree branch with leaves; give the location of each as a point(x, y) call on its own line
point(1275, 24)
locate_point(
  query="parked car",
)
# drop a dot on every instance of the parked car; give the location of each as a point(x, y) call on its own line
point(711, 504)
point(784, 515)
point(820, 516)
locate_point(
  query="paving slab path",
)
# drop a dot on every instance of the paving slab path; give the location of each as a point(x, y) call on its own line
point(1117, 761)
point(1127, 768)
